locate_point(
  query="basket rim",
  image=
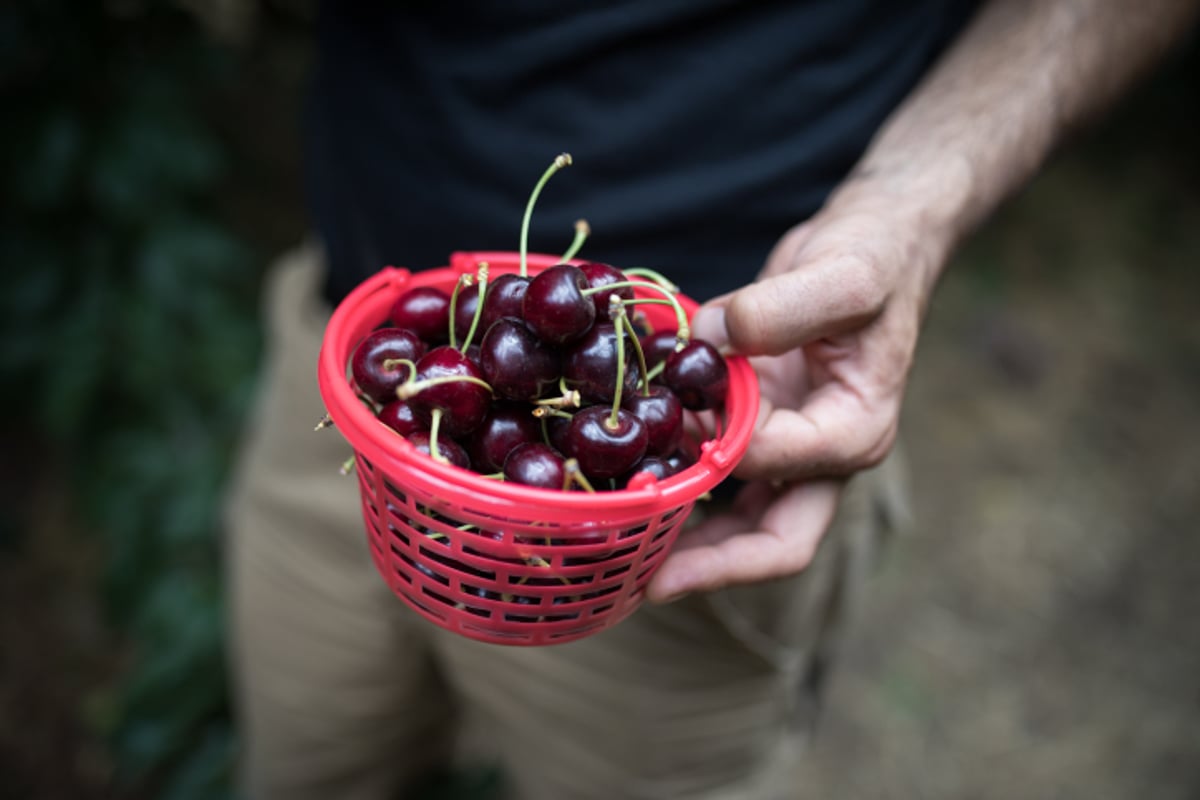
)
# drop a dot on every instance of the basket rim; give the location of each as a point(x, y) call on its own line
point(391, 454)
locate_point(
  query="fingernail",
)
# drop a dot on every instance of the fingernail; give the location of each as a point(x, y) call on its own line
point(709, 324)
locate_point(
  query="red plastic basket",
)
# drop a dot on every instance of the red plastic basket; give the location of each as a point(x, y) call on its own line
point(496, 561)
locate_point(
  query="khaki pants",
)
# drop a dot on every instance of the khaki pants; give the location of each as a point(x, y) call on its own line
point(344, 693)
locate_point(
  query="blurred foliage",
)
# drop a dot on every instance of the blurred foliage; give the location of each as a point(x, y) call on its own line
point(128, 343)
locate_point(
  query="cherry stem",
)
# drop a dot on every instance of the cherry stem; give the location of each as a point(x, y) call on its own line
point(434, 425)
point(582, 231)
point(482, 276)
point(652, 275)
point(542, 412)
point(560, 161)
point(347, 466)
point(570, 398)
point(575, 475)
point(323, 423)
point(616, 310)
point(392, 363)
point(538, 561)
point(463, 282)
point(684, 331)
point(637, 348)
point(410, 388)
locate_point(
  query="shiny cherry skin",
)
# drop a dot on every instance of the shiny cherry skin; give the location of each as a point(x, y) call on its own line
point(504, 298)
point(465, 306)
point(555, 307)
point(657, 347)
point(368, 363)
point(555, 431)
point(449, 449)
point(517, 364)
point(463, 403)
point(662, 413)
point(535, 464)
point(657, 466)
point(590, 365)
point(680, 460)
point(400, 417)
point(425, 311)
point(506, 426)
point(603, 451)
point(699, 375)
point(598, 275)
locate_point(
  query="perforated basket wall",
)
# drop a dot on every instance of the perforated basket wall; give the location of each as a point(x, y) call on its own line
point(496, 561)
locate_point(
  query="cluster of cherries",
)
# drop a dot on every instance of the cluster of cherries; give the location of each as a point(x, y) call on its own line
point(567, 386)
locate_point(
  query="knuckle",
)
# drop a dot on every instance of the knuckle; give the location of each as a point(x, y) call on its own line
point(861, 284)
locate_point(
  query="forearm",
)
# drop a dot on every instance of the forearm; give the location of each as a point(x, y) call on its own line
point(1021, 77)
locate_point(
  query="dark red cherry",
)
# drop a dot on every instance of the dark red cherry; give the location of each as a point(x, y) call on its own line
point(603, 275)
point(680, 460)
point(662, 413)
point(425, 311)
point(449, 449)
point(465, 306)
point(698, 375)
point(590, 365)
point(517, 364)
point(555, 307)
point(657, 466)
point(506, 426)
point(554, 430)
point(400, 417)
point(369, 368)
point(658, 347)
point(463, 403)
point(504, 298)
point(535, 464)
point(603, 451)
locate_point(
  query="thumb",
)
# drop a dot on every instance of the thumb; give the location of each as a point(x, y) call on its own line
point(816, 297)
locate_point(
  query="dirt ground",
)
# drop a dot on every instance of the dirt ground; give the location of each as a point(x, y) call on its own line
point(1037, 634)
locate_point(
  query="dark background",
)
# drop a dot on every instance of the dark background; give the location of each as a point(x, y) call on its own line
point(1036, 636)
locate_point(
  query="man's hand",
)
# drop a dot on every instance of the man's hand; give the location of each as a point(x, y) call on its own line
point(832, 324)
point(833, 319)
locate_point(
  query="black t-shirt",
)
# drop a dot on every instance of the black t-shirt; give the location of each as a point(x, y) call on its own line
point(700, 129)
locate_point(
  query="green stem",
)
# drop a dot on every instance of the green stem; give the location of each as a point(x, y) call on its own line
point(575, 475)
point(392, 363)
point(641, 354)
point(582, 231)
point(463, 282)
point(616, 310)
point(410, 388)
point(684, 331)
point(560, 161)
point(482, 276)
point(542, 412)
point(434, 426)
point(655, 371)
point(653, 275)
